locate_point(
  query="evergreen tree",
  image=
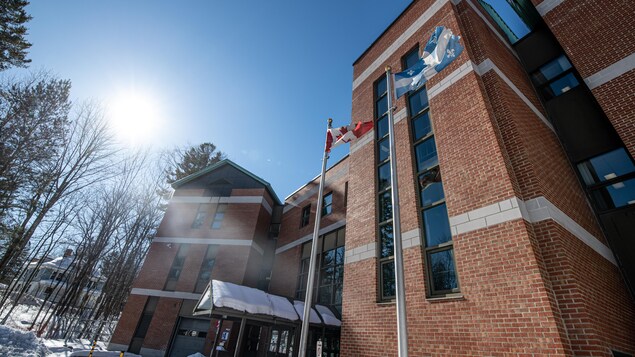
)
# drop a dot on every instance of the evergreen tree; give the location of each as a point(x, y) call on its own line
point(183, 162)
point(13, 44)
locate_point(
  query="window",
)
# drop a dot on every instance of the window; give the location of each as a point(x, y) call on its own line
point(439, 252)
point(327, 204)
point(610, 179)
point(219, 215)
point(200, 216)
point(514, 18)
point(305, 216)
point(329, 270)
point(384, 197)
point(555, 78)
point(205, 274)
point(177, 266)
point(143, 325)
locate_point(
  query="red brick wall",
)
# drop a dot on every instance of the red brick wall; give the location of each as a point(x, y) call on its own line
point(162, 324)
point(129, 319)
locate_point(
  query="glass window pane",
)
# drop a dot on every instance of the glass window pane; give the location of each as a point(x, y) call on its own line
point(329, 241)
point(411, 58)
point(338, 276)
point(382, 127)
point(380, 87)
point(339, 255)
point(437, 226)
point(605, 167)
point(388, 279)
point(306, 250)
point(383, 150)
point(381, 106)
point(328, 258)
point(326, 276)
point(422, 126)
point(385, 206)
point(563, 85)
point(338, 294)
point(325, 295)
point(555, 67)
point(341, 237)
point(430, 186)
point(619, 194)
point(386, 241)
point(418, 101)
point(442, 270)
point(426, 154)
point(384, 176)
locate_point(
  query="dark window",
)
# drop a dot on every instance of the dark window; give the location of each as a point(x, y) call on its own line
point(345, 193)
point(439, 252)
point(205, 274)
point(515, 18)
point(620, 354)
point(200, 216)
point(329, 275)
point(219, 215)
point(327, 204)
point(177, 267)
point(610, 179)
point(411, 58)
point(144, 323)
point(555, 78)
point(306, 215)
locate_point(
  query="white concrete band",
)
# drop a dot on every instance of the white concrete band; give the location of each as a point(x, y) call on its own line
point(215, 200)
point(544, 7)
point(533, 211)
point(211, 241)
point(613, 71)
point(308, 237)
point(409, 239)
point(166, 294)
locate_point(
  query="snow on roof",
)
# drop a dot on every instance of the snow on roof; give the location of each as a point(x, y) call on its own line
point(254, 301)
point(58, 263)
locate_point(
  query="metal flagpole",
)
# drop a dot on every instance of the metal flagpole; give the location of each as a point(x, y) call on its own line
point(402, 333)
point(309, 285)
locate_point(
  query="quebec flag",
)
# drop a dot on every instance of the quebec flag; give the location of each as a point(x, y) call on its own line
point(442, 48)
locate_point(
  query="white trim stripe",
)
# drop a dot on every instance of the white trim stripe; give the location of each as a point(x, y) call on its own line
point(358, 144)
point(210, 241)
point(431, 11)
point(331, 176)
point(533, 211)
point(488, 65)
point(450, 79)
point(544, 7)
point(166, 294)
point(409, 239)
point(215, 200)
point(308, 237)
point(613, 71)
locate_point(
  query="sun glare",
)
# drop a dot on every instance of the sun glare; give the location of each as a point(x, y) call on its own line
point(134, 118)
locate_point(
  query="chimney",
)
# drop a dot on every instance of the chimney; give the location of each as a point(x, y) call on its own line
point(68, 253)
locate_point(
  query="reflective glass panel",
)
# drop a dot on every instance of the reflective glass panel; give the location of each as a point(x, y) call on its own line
point(383, 150)
point(437, 226)
point(381, 106)
point(605, 167)
point(385, 206)
point(387, 241)
point(384, 176)
point(443, 273)
point(560, 86)
point(422, 126)
point(430, 187)
point(619, 194)
point(418, 101)
point(382, 126)
point(426, 154)
point(380, 87)
point(388, 279)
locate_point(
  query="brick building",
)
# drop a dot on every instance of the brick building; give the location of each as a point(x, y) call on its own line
point(517, 198)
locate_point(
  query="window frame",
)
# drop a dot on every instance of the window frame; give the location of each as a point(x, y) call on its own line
point(326, 207)
point(219, 216)
point(428, 251)
point(305, 216)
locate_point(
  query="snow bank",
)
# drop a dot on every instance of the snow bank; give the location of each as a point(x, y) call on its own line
point(18, 343)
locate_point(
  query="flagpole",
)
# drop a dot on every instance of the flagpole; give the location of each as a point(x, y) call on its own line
point(306, 316)
point(402, 333)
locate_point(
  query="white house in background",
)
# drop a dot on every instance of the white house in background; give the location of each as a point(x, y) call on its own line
point(52, 277)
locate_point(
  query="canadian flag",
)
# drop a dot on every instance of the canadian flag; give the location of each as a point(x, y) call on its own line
point(345, 134)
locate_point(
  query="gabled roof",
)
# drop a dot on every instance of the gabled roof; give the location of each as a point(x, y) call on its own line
point(176, 184)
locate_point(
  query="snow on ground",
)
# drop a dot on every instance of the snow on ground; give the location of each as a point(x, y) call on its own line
point(16, 343)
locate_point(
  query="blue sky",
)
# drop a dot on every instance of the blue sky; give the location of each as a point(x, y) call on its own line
point(256, 78)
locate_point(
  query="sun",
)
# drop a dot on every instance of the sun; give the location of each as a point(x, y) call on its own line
point(134, 117)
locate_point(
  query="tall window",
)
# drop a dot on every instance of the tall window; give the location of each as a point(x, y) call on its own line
point(610, 179)
point(200, 216)
point(219, 215)
point(305, 216)
point(330, 270)
point(384, 198)
point(205, 274)
point(439, 252)
point(327, 204)
point(177, 267)
point(144, 323)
